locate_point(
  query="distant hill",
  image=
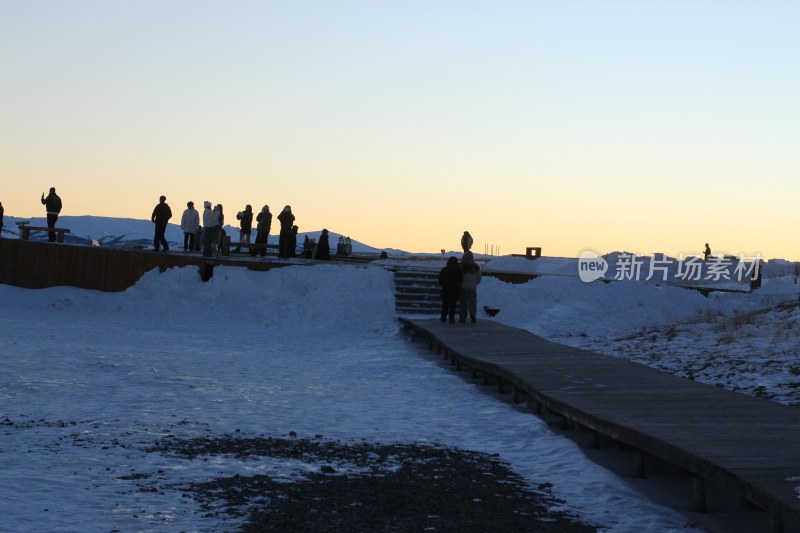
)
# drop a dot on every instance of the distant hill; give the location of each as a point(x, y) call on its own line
point(126, 232)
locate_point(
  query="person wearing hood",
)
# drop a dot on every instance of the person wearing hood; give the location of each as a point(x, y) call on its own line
point(190, 225)
point(210, 223)
point(287, 221)
point(471, 277)
point(161, 215)
point(450, 279)
point(324, 247)
point(466, 242)
point(245, 225)
point(219, 233)
point(263, 226)
point(53, 206)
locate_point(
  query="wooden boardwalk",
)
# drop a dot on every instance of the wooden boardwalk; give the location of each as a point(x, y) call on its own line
point(745, 444)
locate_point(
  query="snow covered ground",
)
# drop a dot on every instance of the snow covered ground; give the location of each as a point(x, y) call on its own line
point(745, 342)
point(91, 380)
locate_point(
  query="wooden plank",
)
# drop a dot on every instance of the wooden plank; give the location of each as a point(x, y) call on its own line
point(741, 442)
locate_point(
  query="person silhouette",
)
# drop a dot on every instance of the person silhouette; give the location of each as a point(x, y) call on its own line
point(53, 206)
point(190, 224)
point(324, 246)
point(160, 217)
point(286, 218)
point(466, 242)
point(450, 278)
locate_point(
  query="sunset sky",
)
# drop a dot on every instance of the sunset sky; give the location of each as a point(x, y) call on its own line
point(610, 125)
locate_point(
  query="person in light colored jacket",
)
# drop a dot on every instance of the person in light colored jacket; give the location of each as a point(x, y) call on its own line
point(190, 225)
point(210, 223)
point(471, 277)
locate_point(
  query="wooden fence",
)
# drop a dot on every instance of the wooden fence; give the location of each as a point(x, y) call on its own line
point(36, 265)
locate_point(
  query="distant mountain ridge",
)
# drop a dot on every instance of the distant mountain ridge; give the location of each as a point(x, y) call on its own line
point(127, 232)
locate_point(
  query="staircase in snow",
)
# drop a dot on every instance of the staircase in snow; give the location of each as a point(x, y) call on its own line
point(417, 292)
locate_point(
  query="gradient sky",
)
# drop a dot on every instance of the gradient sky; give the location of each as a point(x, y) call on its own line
point(610, 125)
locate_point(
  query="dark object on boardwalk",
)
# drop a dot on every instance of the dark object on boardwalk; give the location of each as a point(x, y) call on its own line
point(491, 311)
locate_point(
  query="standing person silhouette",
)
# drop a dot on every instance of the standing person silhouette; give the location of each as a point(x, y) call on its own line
point(324, 246)
point(219, 232)
point(263, 226)
point(161, 215)
point(245, 219)
point(287, 221)
point(2, 211)
point(292, 244)
point(53, 206)
point(707, 252)
point(471, 273)
point(466, 242)
point(450, 278)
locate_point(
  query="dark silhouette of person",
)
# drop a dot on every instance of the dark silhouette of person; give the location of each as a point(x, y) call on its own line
point(219, 234)
point(263, 226)
point(450, 278)
point(706, 252)
point(469, 287)
point(292, 242)
point(324, 247)
point(53, 206)
point(161, 215)
point(2, 212)
point(245, 225)
point(466, 242)
point(286, 219)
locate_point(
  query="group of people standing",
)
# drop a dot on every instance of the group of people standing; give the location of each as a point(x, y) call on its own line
point(459, 283)
point(211, 232)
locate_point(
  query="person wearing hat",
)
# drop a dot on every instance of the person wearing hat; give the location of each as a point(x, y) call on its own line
point(210, 223)
point(161, 215)
point(470, 278)
point(190, 224)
